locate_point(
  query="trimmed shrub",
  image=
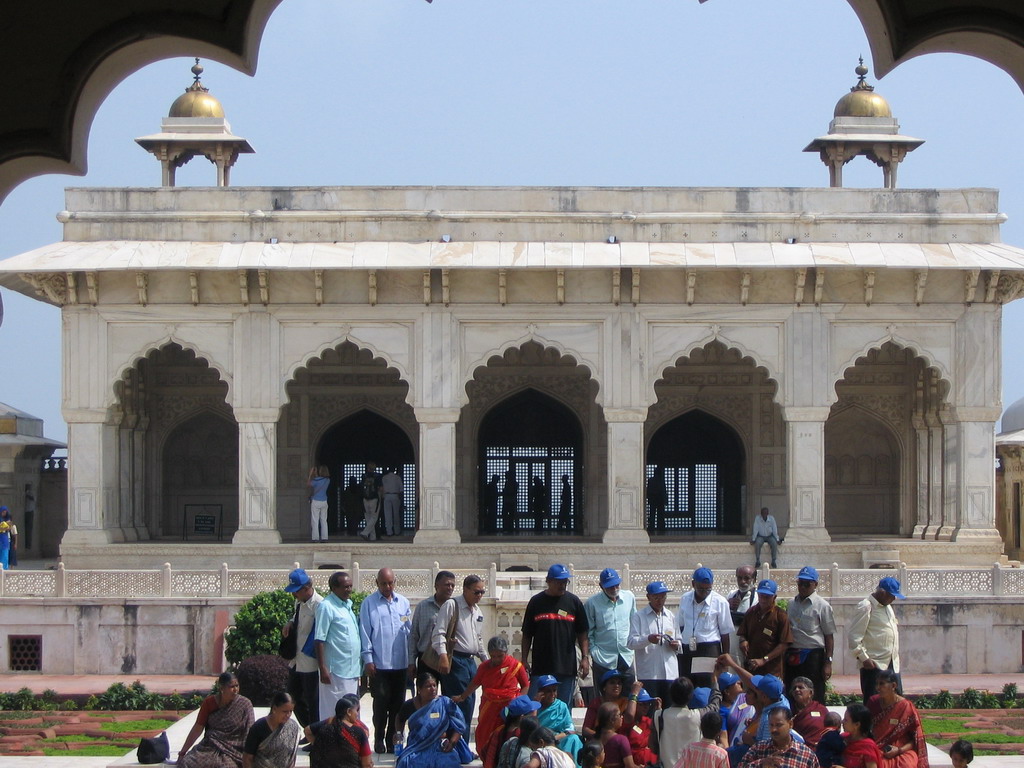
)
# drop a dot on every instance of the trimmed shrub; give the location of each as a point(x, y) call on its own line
point(260, 677)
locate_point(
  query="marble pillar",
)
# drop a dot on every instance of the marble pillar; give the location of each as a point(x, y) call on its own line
point(977, 459)
point(92, 478)
point(127, 479)
point(437, 476)
point(626, 477)
point(805, 457)
point(257, 476)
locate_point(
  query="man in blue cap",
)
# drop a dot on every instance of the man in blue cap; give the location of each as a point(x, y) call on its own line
point(303, 670)
point(654, 637)
point(609, 613)
point(704, 623)
point(554, 623)
point(874, 636)
point(814, 626)
point(764, 632)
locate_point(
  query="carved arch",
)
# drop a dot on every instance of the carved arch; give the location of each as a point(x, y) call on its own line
point(545, 342)
point(929, 358)
point(150, 348)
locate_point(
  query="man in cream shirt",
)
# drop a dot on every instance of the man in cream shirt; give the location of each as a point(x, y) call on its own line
point(874, 636)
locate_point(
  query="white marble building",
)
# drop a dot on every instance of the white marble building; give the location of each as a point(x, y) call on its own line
point(832, 354)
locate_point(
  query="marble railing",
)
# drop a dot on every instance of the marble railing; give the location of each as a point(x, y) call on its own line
point(997, 581)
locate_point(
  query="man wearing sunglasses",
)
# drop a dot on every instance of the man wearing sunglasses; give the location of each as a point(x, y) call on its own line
point(467, 645)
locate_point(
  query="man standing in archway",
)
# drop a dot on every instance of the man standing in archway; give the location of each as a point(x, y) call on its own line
point(373, 494)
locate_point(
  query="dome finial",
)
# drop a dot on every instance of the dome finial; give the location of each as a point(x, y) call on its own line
point(861, 72)
point(197, 70)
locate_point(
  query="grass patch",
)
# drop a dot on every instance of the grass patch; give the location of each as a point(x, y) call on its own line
point(952, 724)
point(73, 738)
point(97, 751)
point(14, 715)
point(996, 738)
point(133, 726)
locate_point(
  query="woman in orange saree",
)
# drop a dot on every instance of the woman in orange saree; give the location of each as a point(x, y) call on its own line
point(896, 727)
point(502, 677)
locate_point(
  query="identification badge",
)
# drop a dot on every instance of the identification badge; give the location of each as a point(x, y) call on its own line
point(504, 670)
point(767, 631)
point(435, 715)
point(668, 633)
point(405, 618)
point(638, 729)
point(563, 613)
point(815, 714)
point(693, 644)
point(893, 721)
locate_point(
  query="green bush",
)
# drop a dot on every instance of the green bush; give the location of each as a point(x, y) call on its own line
point(990, 701)
point(120, 697)
point(944, 700)
point(257, 629)
point(969, 699)
point(68, 705)
point(260, 677)
point(1009, 695)
point(925, 702)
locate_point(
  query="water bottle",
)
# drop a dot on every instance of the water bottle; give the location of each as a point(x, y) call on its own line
point(398, 744)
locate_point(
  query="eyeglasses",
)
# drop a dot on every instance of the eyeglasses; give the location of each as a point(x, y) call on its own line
point(479, 591)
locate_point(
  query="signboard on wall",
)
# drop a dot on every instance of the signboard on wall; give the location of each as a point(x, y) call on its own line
point(203, 521)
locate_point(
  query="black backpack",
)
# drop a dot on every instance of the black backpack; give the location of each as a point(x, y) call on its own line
point(370, 487)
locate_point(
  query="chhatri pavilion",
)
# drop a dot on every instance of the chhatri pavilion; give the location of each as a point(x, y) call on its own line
point(533, 361)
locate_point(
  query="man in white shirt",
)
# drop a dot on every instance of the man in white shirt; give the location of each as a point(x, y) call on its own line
point(467, 646)
point(303, 670)
point(741, 599)
point(874, 636)
point(392, 487)
point(704, 625)
point(765, 530)
point(654, 638)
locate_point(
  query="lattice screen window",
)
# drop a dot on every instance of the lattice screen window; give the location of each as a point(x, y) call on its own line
point(25, 653)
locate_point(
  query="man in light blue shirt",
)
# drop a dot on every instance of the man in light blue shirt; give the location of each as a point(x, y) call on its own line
point(337, 644)
point(385, 618)
point(609, 614)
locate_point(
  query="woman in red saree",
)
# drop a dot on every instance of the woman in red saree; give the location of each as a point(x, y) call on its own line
point(896, 726)
point(502, 678)
point(861, 750)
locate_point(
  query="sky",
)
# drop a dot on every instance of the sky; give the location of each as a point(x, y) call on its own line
point(535, 92)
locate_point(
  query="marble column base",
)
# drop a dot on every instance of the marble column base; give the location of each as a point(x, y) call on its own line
point(945, 533)
point(626, 538)
point(437, 536)
point(816, 535)
point(978, 536)
point(249, 536)
point(92, 536)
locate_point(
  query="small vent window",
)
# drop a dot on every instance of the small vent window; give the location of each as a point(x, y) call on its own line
point(25, 653)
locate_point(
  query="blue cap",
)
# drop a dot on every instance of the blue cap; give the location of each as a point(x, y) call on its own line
point(559, 572)
point(892, 586)
point(611, 674)
point(699, 698)
point(726, 679)
point(546, 680)
point(771, 687)
point(521, 705)
point(704, 576)
point(297, 579)
point(807, 574)
point(767, 587)
point(657, 588)
point(610, 578)
point(755, 680)
point(644, 696)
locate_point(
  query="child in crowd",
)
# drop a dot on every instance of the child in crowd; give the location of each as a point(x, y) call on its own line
point(961, 753)
point(706, 753)
point(830, 747)
point(592, 755)
point(545, 753)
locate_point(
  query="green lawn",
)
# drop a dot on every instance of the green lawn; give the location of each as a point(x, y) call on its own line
point(97, 751)
point(950, 724)
point(133, 726)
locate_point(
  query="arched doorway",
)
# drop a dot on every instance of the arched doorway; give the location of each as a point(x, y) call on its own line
point(862, 474)
point(200, 483)
point(716, 444)
point(345, 408)
point(346, 449)
point(531, 458)
point(694, 471)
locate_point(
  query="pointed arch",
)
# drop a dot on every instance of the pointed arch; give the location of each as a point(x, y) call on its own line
point(150, 349)
point(928, 357)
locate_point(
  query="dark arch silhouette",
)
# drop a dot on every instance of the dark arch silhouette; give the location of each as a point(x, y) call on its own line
point(199, 465)
point(527, 444)
point(700, 460)
point(346, 448)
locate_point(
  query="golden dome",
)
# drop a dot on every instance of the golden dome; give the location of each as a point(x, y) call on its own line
point(862, 101)
point(196, 101)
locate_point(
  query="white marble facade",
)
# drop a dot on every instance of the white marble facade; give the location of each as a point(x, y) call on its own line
point(879, 309)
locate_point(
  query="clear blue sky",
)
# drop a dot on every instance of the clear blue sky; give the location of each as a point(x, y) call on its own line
point(602, 92)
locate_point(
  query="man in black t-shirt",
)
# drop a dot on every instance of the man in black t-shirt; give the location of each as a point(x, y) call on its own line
point(554, 624)
point(372, 490)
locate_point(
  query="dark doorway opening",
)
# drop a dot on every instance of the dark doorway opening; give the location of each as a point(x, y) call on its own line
point(346, 449)
point(694, 473)
point(531, 461)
